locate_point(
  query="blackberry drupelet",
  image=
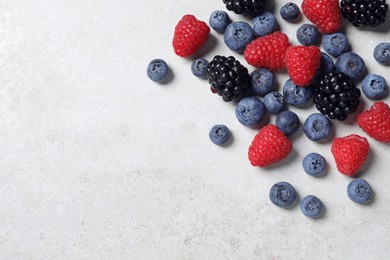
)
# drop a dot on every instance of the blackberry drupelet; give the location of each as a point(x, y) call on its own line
point(228, 78)
point(368, 13)
point(250, 8)
point(336, 95)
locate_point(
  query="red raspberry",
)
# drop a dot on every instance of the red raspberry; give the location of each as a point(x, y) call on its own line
point(350, 153)
point(302, 63)
point(190, 35)
point(325, 14)
point(269, 146)
point(268, 51)
point(376, 121)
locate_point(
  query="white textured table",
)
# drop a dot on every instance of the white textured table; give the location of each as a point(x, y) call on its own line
point(99, 162)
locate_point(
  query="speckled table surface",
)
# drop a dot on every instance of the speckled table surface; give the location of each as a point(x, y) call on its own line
point(99, 162)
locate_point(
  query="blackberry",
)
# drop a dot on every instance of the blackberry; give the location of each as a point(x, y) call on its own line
point(228, 78)
point(336, 95)
point(250, 8)
point(368, 13)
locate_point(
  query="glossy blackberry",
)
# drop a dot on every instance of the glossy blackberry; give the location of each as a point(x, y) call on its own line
point(250, 8)
point(368, 13)
point(228, 78)
point(336, 95)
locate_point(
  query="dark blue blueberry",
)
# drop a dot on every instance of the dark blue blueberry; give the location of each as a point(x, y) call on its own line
point(308, 34)
point(296, 95)
point(382, 53)
point(219, 20)
point(351, 64)
point(274, 102)
point(311, 206)
point(289, 11)
point(282, 194)
point(199, 67)
point(314, 164)
point(374, 86)
point(317, 127)
point(238, 35)
point(288, 122)
point(262, 81)
point(335, 44)
point(250, 111)
point(264, 24)
point(219, 134)
point(359, 191)
point(327, 65)
point(157, 70)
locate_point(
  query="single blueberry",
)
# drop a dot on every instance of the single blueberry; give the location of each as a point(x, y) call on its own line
point(219, 134)
point(359, 191)
point(335, 44)
point(237, 35)
point(199, 67)
point(250, 111)
point(262, 81)
point(351, 64)
point(382, 53)
point(314, 164)
point(264, 24)
point(317, 127)
point(288, 122)
point(157, 70)
point(289, 11)
point(282, 194)
point(374, 86)
point(219, 20)
point(308, 34)
point(326, 67)
point(295, 95)
point(311, 206)
point(274, 102)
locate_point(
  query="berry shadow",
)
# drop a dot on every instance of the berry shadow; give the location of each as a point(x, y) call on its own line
point(352, 118)
point(229, 141)
point(211, 43)
point(168, 79)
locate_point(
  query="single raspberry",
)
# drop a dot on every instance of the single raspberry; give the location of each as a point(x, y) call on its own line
point(325, 14)
point(269, 146)
point(376, 121)
point(302, 64)
point(190, 35)
point(350, 153)
point(268, 51)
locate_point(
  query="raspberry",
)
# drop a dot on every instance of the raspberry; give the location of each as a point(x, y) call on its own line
point(350, 153)
point(302, 63)
point(325, 14)
point(376, 121)
point(190, 35)
point(269, 146)
point(268, 51)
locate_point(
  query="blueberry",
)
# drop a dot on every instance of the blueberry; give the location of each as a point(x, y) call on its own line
point(351, 64)
point(359, 191)
point(289, 11)
point(274, 102)
point(238, 35)
point(382, 53)
point(250, 111)
point(264, 24)
point(335, 44)
point(374, 86)
point(219, 134)
point(311, 206)
point(157, 70)
point(282, 194)
point(317, 127)
point(314, 164)
point(296, 95)
point(219, 20)
point(199, 67)
point(288, 122)
point(262, 81)
point(308, 34)
point(327, 65)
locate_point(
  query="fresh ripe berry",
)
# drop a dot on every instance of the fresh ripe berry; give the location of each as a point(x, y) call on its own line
point(351, 64)
point(317, 127)
point(264, 24)
point(190, 35)
point(157, 70)
point(268, 51)
point(302, 64)
point(269, 146)
point(237, 36)
point(288, 122)
point(382, 53)
point(308, 34)
point(376, 121)
point(262, 82)
point(250, 111)
point(350, 153)
point(295, 95)
point(199, 67)
point(219, 20)
point(289, 11)
point(311, 206)
point(359, 191)
point(282, 194)
point(250, 8)
point(335, 44)
point(274, 102)
point(365, 13)
point(325, 14)
point(219, 134)
point(314, 164)
point(374, 86)
point(326, 67)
